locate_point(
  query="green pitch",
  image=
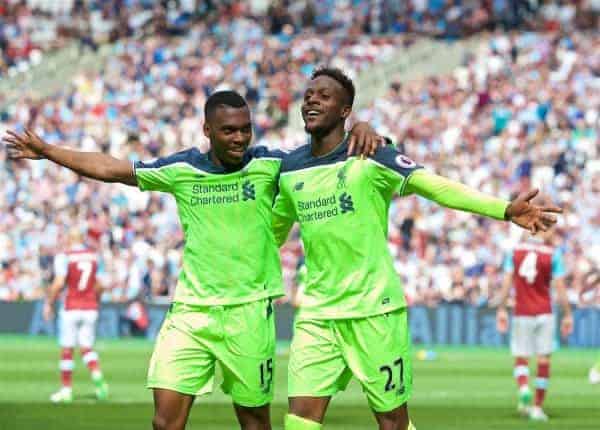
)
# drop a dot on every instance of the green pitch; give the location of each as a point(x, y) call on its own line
point(464, 389)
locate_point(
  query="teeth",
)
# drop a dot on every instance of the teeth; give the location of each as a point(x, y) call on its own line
point(313, 112)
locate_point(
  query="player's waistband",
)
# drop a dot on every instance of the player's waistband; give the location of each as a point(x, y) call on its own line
point(177, 306)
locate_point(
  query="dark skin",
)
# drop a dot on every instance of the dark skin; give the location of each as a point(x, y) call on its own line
point(229, 130)
point(325, 108)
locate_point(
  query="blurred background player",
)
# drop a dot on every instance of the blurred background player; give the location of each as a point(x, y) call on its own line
point(76, 269)
point(533, 266)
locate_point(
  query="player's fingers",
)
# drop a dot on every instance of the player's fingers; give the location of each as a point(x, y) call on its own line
point(374, 145)
point(11, 149)
point(533, 228)
point(368, 146)
point(552, 209)
point(10, 139)
point(540, 226)
point(361, 143)
point(17, 138)
point(530, 194)
point(351, 144)
point(12, 133)
point(548, 219)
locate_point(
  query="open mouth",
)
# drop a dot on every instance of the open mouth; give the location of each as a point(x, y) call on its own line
point(236, 152)
point(311, 114)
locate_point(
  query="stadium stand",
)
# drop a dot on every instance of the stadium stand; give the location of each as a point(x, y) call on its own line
point(146, 100)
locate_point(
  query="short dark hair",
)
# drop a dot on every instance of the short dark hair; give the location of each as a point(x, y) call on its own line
point(223, 98)
point(339, 76)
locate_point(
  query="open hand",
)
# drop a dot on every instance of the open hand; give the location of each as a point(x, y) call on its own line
point(23, 146)
point(364, 141)
point(530, 216)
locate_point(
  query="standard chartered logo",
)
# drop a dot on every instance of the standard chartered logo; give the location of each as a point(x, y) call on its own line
point(325, 207)
point(219, 194)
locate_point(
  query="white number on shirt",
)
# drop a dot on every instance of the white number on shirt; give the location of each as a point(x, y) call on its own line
point(528, 269)
point(85, 267)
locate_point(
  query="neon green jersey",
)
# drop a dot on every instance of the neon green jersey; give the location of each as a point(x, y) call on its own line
point(230, 254)
point(342, 206)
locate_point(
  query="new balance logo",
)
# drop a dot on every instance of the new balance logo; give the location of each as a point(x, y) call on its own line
point(346, 203)
point(298, 186)
point(248, 191)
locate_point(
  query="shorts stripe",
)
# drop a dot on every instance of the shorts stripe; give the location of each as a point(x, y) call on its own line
point(90, 356)
point(66, 365)
point(521, 371)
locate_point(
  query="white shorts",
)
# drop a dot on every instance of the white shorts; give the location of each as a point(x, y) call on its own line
point(532, 335)
point(77, 328)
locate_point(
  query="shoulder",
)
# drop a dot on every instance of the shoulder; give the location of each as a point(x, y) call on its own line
point(388, 156)
point(260, 151)
point(190, 156)
point(296, 159)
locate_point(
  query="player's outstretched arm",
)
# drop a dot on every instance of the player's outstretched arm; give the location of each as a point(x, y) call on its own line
point(95, 165)
point(455, 195)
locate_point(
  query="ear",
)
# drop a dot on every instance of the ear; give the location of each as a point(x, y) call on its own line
point(206, 129)
point(346, 111)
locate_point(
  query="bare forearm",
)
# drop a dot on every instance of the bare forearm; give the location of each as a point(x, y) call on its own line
point(561, 295)
point(54, 291)
point(503, 297)
point(95, 165)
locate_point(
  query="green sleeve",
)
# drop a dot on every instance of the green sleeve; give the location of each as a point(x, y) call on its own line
point(283, 217)
point(455, 195)
point(156, 175)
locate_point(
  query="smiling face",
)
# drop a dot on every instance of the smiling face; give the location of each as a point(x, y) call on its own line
point(325, 105)
point(229, 130)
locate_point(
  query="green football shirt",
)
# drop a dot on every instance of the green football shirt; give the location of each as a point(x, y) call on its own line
point(341, 204)
point(230, 254)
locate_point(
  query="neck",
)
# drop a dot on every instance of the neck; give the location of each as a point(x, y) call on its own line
point(325, 143)
point(217, 162)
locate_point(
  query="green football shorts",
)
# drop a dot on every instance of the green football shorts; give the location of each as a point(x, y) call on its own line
point(377, 350)
point(240, 337)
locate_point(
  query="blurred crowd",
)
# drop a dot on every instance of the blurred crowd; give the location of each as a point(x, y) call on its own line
point(30, 28)
point(522, 110)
